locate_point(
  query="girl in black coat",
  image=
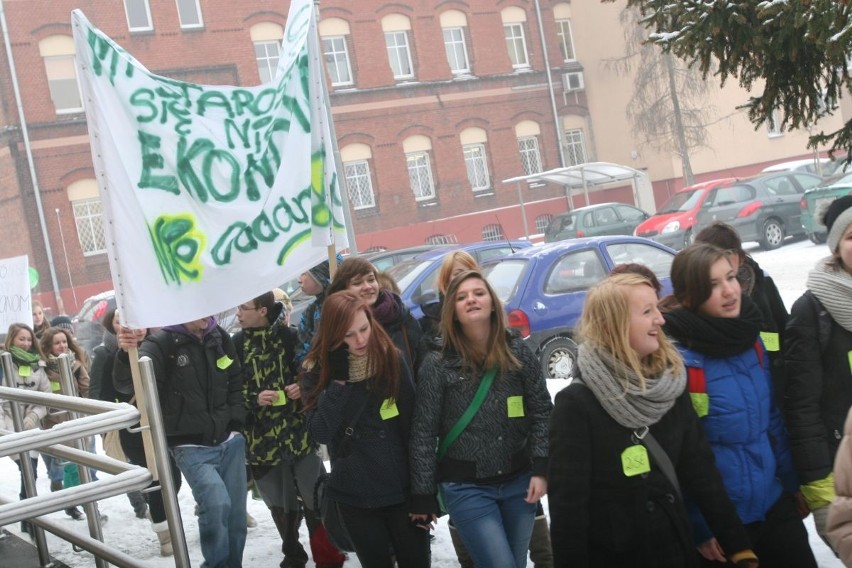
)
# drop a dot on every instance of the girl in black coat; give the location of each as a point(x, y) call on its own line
point(611, 504)
point(359, 400)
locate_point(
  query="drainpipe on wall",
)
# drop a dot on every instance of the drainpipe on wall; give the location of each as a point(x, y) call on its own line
point(7, 43)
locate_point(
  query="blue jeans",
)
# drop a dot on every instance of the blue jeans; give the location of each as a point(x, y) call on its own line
point(217, 477)
point(493, 521)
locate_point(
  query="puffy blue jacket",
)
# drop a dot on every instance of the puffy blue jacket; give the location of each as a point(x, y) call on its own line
point(746, 431)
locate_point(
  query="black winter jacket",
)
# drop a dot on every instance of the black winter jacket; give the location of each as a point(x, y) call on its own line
point(494, 447)
point(818, 394)
point(201, 402)
point(601, 517)
point(373, 471)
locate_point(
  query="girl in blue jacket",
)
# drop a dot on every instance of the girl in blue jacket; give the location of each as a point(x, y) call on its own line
point(728, 377)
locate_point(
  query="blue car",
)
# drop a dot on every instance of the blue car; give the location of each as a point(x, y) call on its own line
point(417, 277)
point(543, 289)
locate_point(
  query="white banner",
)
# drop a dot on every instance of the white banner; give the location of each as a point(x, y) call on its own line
point(15, 299)
point(211, 195)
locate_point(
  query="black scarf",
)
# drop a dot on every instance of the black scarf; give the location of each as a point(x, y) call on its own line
point(712, 336)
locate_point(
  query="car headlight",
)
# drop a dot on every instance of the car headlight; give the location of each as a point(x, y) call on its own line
point(671, 227)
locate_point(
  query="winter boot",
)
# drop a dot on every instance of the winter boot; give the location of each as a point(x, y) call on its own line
point(325, 554)
point(287, 523)
point(251, 522)
point(541, 552)
point(164, 536)
point(465, 561)
point(73, 512)
point(140, 506)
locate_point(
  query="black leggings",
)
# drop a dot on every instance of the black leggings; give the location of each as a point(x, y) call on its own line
point(135, 452)
point(378, 533)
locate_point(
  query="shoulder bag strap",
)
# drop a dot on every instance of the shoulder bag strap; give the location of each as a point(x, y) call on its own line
point(350, 430)
point(662, 458)
point(468, 415)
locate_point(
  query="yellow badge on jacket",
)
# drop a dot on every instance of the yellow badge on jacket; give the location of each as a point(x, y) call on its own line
point(634, 460)
point(515, 405)
point(771, 340)
point(25, 371)
point(224, 362)
point(388, 409)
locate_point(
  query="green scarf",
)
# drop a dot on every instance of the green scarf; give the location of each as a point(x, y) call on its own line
point(22, 357)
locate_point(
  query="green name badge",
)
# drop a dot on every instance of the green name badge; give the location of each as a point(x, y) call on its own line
point(55, 387)
point(634, 460)
point(701, 403)
point(224, 362)
point(771, 340)
point(281, 400)
point(850, 360)
point(515, 405)
point(25, 370)
point(388, 409)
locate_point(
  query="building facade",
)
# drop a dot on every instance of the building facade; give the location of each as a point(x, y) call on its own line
point(433, 106)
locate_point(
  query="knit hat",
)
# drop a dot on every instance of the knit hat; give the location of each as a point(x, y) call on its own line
point(321, 273)
point(62, 322)
point(836, 219)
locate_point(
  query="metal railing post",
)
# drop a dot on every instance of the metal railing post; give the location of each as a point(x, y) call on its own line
point(161, 455)
point(27, 471)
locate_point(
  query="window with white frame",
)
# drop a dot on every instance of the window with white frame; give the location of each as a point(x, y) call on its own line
point(87, 215)
point(477, 167)
point(542, 221)
point(58, 54)
point(420, 175)
point(138, 15)
point(189, 13)
point(530, 157)
point(456, 49)
point(492, 232)
point(773, 125)
point(266, 54)
point(359, 184)
point(566, 39)
point(516, 43)
point(399, 54)
point(337, 60)
point(575, 147)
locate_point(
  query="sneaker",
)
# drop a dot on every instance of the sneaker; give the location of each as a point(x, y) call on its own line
point(250, 521)
point(75, 513)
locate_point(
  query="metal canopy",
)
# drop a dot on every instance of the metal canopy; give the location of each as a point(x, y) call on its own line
point(582, 175)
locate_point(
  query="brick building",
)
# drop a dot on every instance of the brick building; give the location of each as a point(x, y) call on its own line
point(433, 107)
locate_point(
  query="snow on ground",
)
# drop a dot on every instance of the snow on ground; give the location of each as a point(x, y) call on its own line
point(787, 265)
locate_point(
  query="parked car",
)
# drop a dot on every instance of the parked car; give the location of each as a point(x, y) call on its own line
point(543, 289)
point(595, 220)
point(87, 322)
point(385, 259)
point(814, 202)
point(821, 167)
point(672, 224)
point(763, 208)
point(417, 277)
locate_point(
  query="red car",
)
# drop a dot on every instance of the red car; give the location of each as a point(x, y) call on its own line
point(672, 225)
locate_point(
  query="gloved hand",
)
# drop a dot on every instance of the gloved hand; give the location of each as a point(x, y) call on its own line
point(30, 421)
point(338, 363)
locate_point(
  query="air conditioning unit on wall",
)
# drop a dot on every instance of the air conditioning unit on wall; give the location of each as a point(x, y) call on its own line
point(572, 82)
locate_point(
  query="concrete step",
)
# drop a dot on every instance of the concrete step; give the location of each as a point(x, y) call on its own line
point(19, 553)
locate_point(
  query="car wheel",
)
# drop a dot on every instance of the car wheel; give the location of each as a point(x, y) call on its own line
point(773, 234)
point(559, 358)
point(817, 238)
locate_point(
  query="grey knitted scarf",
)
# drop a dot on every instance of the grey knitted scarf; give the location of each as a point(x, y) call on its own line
point(833, 288)
point(635, 407)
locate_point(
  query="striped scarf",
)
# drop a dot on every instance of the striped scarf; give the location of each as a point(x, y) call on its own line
point(833, 288)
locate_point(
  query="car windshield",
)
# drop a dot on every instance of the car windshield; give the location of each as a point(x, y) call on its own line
point(407, 272)
point(504, 277)
point(681, 201)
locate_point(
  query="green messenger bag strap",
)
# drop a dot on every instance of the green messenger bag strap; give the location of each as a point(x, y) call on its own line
point(461, 424)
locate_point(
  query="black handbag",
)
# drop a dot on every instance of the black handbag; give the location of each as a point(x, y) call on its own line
point(329, 509)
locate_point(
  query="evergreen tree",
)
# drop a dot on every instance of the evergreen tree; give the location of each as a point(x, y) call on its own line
point(796, 50)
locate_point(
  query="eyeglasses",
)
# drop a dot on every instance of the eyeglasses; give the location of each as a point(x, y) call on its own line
point(244, 309)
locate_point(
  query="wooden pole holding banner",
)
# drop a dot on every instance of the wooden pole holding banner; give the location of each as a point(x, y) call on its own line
point(147, 442)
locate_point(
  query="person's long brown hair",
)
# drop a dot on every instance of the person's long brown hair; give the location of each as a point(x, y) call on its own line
point(352, 267)
point(338, 313)
point(13, 332)
point(497, 352)
point(73, 346)
point(691, 284)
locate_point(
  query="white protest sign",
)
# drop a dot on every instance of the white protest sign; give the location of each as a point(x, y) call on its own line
point(15, 298)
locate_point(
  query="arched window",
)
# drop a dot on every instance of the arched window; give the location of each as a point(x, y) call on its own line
point(335, 47)
point(58, 54)
point(397, 29)
point(266, 37)
point(473, 142)
point(454, 28)
point(417, 156)
point(492, 232)
point(86, 205)
point(528, 133)
point(562, 15)
point(356, 171)
point(514, 22)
